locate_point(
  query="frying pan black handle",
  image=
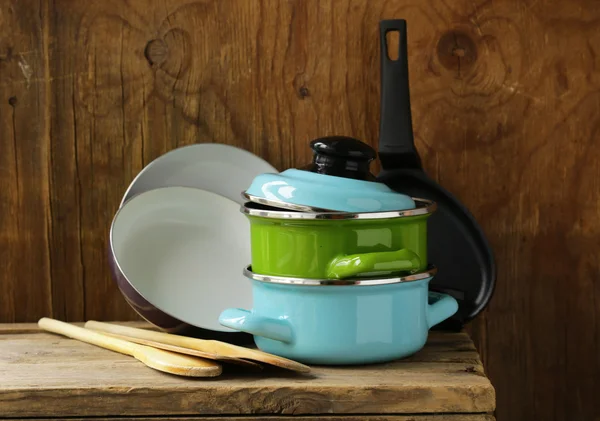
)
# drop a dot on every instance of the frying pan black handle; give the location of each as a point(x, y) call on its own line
point(396, 142)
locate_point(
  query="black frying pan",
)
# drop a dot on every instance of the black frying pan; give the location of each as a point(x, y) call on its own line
point(456, 243)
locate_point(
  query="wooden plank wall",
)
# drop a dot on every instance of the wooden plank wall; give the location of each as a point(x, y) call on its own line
point(506, 108)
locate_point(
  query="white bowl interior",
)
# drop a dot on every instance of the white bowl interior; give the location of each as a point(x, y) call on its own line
point(223, 169)
point(184, 249)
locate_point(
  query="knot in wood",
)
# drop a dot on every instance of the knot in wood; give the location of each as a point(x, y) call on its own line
point(304, 92)
point(300, 82)
point(457, 51)
point(156, 52)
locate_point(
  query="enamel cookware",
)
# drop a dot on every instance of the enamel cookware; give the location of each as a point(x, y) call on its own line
point(363, 321)
point(200, 180)
point(338, 245)
point(176, 254)
point(215, 167)
point(457, 244)
point(337, 179)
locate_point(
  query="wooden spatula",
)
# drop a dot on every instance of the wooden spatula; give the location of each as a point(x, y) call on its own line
point(158, 359)
point(187, 351)
point(212, 346)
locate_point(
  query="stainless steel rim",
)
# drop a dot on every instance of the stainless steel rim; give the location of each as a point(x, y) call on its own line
point(284, 205)
point(424, 207)
point(430, 272)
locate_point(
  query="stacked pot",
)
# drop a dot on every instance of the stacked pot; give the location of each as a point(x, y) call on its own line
point(339, 268)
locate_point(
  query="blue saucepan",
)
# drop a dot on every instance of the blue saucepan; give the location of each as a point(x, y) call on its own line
point(328, 322)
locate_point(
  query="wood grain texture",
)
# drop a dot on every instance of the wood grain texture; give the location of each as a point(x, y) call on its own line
point(43, 374)
point(416, 417)
point(506, 110)
point(25, 218)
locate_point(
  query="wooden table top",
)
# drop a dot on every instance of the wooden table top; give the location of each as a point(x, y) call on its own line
point(43, 374)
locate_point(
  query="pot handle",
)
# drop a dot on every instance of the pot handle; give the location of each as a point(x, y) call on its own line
point(252, 323)
point(441, 307)
point(354, 264)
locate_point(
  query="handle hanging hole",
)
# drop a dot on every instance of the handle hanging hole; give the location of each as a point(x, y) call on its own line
point(392, 39)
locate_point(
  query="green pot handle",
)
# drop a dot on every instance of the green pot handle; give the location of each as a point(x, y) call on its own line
point(385, 261)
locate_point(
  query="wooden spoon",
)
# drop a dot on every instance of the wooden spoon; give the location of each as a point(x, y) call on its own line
point(187, 351)
point(212, 346)
point(158, 359)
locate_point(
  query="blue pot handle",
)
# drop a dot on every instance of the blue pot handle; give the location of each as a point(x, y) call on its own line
point(441, 308)
point(246, 321)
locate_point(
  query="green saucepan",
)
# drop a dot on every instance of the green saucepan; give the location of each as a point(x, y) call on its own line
point(338, 245)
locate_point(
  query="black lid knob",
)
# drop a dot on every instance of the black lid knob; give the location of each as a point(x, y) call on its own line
point(342, 156)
